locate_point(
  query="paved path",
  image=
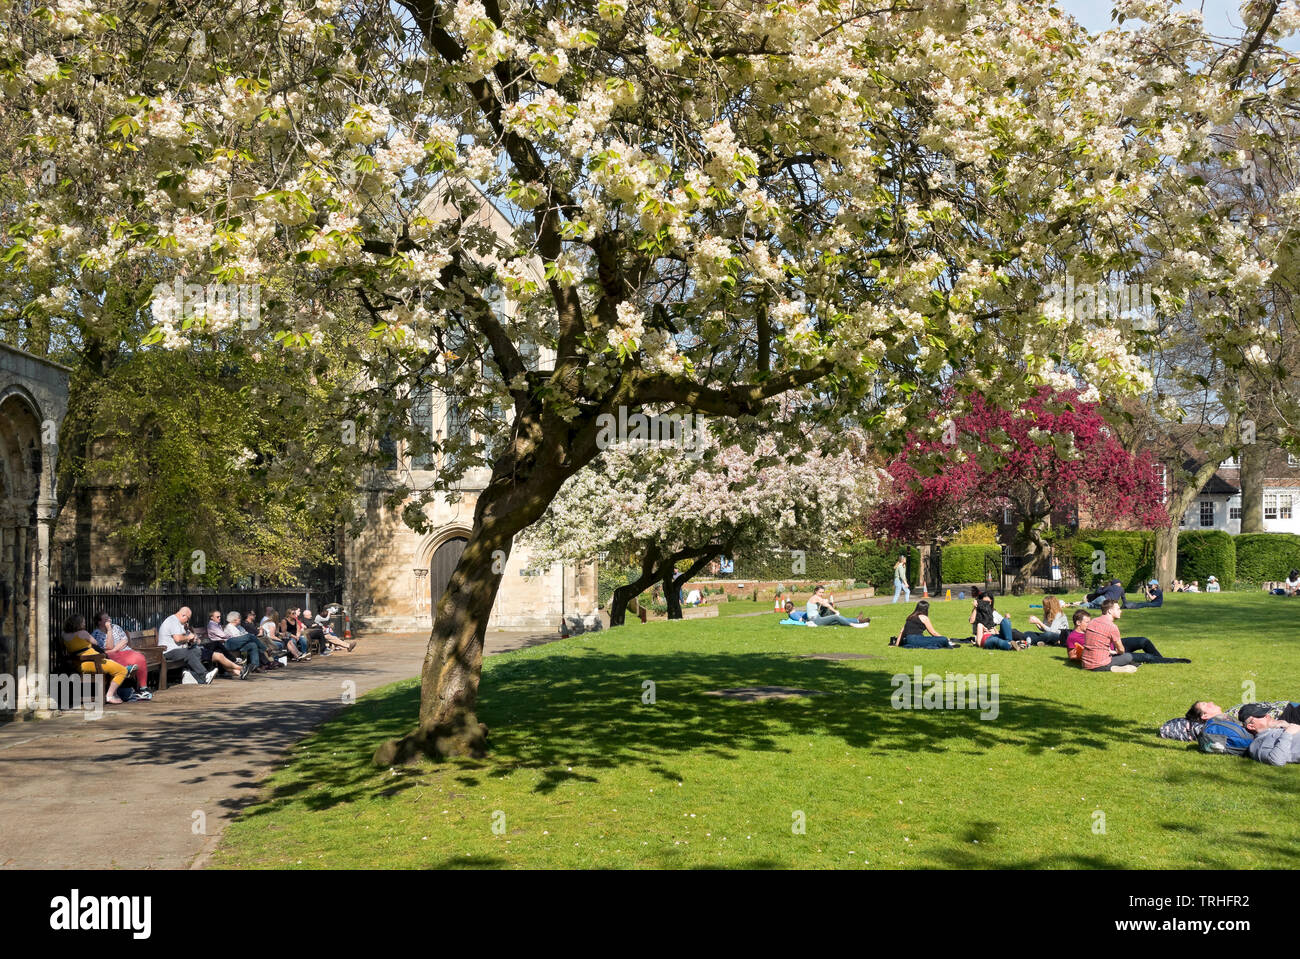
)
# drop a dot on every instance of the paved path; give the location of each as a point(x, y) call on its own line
point(137, 776)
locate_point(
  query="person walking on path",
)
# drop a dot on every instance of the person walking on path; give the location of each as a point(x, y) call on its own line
point(900, 579)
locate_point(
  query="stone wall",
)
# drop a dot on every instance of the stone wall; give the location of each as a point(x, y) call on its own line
point(386, 569)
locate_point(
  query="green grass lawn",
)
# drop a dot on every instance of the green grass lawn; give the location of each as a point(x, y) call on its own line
point(583, 773)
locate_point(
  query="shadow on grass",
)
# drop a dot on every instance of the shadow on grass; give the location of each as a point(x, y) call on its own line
point(555, 712)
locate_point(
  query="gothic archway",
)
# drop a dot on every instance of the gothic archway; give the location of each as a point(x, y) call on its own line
point(441, 566)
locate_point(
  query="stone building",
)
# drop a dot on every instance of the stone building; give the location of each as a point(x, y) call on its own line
point(393, 576)
point(33, 402)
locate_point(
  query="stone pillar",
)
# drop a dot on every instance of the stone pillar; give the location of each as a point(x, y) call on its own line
point(45, 510)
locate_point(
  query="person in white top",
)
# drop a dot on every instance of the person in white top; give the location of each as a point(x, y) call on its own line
point(182, 646)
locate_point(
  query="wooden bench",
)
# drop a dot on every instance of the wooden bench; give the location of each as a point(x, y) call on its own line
point(145, 642)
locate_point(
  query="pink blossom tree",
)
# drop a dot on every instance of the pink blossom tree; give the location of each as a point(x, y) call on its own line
point(1054, 452)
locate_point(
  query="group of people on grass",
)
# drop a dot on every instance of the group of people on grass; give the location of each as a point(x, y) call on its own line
point(1094, 641)
point(239, 646)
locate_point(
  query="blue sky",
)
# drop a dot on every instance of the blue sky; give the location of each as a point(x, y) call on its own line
point(1221, 16)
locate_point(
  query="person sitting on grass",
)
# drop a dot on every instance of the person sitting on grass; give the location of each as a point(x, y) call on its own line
point(1212, 585)
point(1155, 597)
point(81, 645)
point(1292, 585)
point(1103, 650)
point(1052, 628)
point(822, 612)
point(992, 629)
point(1075, 637)
point(1193, 587)
point(115, 643)
point(917, 632)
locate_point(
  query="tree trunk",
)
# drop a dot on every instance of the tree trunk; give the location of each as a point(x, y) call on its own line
point(672, 592)
point(680, 582)
point(449, 680)
point(1254, 459)
point(628, 591)
point(1167, 536)
point(1035, 554)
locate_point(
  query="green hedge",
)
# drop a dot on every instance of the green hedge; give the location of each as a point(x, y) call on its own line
point(874, 563)
point(1205, 552)
point(1129, 557)
point(1265, 557)
point(965, 564)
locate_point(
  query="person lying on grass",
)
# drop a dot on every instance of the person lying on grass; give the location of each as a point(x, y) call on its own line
point(1275, 741)
point(822, 612)
point(1188, 727)
point(992, 629)
point(918, 632)
point(1112, 590)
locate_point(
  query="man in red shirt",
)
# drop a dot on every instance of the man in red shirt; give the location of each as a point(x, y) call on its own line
point(1101, 637)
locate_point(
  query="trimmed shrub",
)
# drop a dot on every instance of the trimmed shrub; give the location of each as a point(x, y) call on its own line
point(874, 563)
point(965, 564)
point(976, 534)
point(1265, 557)
point(1128, 556)
point(1202, 553)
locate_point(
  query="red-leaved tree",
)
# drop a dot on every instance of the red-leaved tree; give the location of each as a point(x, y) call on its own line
point(1056, 452)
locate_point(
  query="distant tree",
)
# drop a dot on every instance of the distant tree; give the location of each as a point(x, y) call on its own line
point(671, 511)
point(1055, 452)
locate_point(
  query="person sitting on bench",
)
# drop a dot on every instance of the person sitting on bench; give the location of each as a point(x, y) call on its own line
point(81, 645)
point(239, 641)
point(327, 634)
point(182, 646)
point(116, 644)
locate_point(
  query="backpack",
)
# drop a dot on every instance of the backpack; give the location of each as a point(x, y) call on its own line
point(1222, 735)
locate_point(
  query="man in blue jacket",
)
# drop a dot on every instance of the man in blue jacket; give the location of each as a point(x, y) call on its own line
point(1155, 597)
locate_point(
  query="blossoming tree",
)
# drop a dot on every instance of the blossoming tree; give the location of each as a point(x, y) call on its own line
point(713, 202)
point(672, 510)
point(1057, 452)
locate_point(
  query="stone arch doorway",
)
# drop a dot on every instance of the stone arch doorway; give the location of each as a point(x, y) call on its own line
point(441, 566)
point(26, 511)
